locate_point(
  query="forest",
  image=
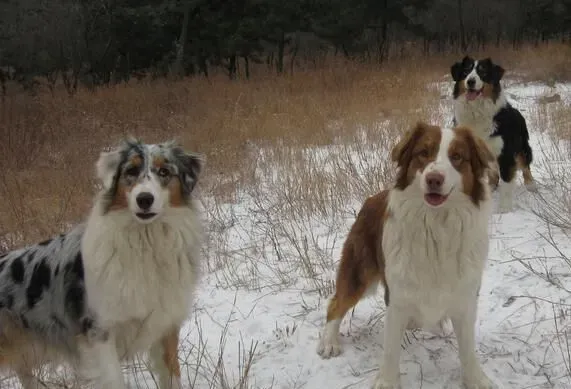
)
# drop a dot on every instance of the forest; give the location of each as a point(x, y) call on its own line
point(102, 42)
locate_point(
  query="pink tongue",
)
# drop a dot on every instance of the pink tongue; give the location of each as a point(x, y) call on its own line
point(434, 198)
point(472, 95)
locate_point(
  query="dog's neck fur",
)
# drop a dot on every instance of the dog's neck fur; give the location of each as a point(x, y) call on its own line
point(121, 255)
point(434, 254)
point(459, 216)
point(478, 114)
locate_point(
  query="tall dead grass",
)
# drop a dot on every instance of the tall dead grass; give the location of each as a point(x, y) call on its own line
point(50, 143)
point(289, 161)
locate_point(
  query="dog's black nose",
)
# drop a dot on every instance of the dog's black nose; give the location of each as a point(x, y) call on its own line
point(434, 181)
point(471, 83)
point(145, 200)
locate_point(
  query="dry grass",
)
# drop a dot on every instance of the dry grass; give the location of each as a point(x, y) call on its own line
point(50, 143)
point(306, 149)
point(256, 136)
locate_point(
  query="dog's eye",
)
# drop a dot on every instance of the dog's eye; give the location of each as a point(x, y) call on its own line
point(132, 171)
point(455, 157)
point(163, 172)
point(423, 153)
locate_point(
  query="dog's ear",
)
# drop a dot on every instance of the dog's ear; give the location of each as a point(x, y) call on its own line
point(107, 166)
point(190, 166)
point(457, 69)
point(467, 60)
point(497, 72)
point(480, 155)
point(402, 151)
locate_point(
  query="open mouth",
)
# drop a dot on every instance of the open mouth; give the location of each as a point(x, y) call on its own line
point(472, 94)
point(435, 199)
point(146, 215)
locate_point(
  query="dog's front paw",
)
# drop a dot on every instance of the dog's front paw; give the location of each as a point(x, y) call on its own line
point(383, 381)
point(478, 380)
point(329, 346)
point(531, 186)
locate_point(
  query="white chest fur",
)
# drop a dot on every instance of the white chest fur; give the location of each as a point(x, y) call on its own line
point(140, 278)
point(479, 116)
point(434, 258)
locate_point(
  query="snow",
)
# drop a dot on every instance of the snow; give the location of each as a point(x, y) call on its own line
point(271, 260)
point(273, 275)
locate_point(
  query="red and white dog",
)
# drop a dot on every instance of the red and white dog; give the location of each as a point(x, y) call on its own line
point(426, 240)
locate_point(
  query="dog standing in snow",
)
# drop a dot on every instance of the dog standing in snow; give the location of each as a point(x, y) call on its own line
point(426, 241)
point(481, 104)
point(119, 284)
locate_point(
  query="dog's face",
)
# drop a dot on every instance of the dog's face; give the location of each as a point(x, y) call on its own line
point(147, 179)
point(476, 78)
point(442, 163)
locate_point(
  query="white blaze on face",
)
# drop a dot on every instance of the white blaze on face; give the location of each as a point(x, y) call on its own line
point(451, 178)
point(473, 83)
point(148, 187)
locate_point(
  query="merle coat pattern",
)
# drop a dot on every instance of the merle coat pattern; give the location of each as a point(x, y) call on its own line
point(49, 306)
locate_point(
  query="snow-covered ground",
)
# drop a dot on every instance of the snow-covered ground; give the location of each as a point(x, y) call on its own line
point(274, 275)
point(272, 255)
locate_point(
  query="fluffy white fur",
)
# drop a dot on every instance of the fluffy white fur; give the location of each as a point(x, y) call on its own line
point(127, 266)
point(478, 115)
point(430, 281)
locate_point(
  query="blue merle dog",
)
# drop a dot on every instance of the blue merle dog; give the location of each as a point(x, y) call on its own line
point(119, 284)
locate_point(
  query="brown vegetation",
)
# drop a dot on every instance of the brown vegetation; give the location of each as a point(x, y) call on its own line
point(50, 142)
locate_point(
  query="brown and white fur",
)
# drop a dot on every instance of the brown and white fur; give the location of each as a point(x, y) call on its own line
point(426, 241)
point(117, 285)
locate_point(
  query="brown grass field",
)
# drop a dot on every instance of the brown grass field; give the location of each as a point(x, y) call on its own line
point(49, 143)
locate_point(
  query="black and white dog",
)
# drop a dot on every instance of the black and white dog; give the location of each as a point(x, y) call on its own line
point(479, 103)
point(119, 284)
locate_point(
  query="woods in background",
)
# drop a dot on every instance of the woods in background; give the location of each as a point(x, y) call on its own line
point(101, 42)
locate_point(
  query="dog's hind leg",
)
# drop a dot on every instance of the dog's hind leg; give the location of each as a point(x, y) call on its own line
point(507, 174)
point(355, 277)
point(164, 359)
point(528, 179)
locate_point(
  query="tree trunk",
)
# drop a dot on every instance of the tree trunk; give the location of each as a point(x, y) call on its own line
point(247, 67)
point(232, 67)
point(202, 66)
point(463, 43)
point(178, 66)
point(384, 43)
point(281, 52)
point(294, 55)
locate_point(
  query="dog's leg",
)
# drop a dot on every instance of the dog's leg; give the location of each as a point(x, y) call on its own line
point(164, 358)
point(506, 203)
point(99, 363)
point(389, 373)
point(523, 164)
point(507, 174)
point(528, 180)
point(464, 322)
point(347, 295)
point(493, 176)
